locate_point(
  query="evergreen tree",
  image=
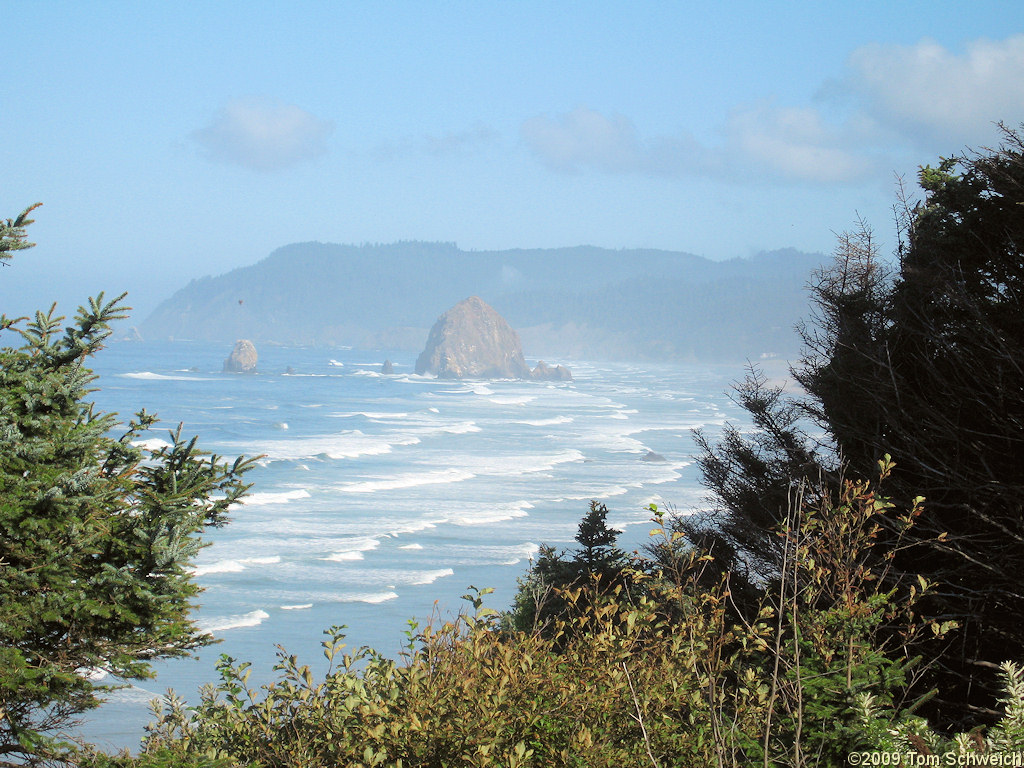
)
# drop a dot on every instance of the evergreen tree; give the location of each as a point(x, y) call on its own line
point(598, 553)
point(96, 533)
point(926, 364)
point(930, 368)
point(540, 599)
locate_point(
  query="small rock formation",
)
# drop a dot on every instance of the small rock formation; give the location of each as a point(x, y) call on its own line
point(652, 456)
point(387, 369)
point(544, 372)
point(471, 340)
point(242, 358)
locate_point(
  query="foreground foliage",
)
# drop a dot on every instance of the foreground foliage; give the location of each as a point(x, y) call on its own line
point(95, 531)
point(663, 679)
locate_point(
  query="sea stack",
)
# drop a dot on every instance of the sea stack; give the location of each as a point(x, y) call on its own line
point(242, 358)
point(544, 372)
point(473, 341)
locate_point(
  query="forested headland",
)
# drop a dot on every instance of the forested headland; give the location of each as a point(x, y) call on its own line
point(584, 302)
point(852, 588)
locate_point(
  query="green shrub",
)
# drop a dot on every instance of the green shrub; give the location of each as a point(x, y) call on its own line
point(663, 678)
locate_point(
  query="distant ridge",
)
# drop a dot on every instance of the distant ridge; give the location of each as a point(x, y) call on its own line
point(581, 302)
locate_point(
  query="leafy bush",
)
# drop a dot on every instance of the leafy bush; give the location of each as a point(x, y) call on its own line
point(664, 678)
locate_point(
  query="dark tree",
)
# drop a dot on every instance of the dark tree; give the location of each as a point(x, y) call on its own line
point(598, 553)
point(598, 562)
point(925, 364)
point(751, 477)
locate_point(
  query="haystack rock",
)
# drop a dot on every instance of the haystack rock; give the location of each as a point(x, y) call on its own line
point(387, 368)
point(544, 372)
point(242, 358)
point(473, 341)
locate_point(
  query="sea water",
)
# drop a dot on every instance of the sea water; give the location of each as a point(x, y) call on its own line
point(379, 499)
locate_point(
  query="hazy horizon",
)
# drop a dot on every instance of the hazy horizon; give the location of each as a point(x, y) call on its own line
point(167, 147)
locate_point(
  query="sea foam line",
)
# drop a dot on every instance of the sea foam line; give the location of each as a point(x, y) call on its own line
point(353, 549)
point(224, 623)
point(350, 444)
point(234, 566)
point(512, 399)
point(428, 577)
point(376, 416)
point(372, 597)
point(495, 514)
point(546, 422)
point(504, 466)
point(150, 376)
point(274, 497)
point(409, 480)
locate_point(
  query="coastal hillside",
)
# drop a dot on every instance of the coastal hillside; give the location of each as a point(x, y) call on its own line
point(581, 302)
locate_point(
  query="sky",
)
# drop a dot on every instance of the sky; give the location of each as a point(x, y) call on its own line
point(168, 141)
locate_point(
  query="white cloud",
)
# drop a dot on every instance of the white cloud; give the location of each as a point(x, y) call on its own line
point(263, 135)
point(926, 91)
point(759, 141)
point(582, 139)
point(894, 103)
point(796, 143)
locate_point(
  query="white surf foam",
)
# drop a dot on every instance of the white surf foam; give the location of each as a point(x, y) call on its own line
point(224, 623)
point(373, 415)
point(274, 497)
point(352, 549)
point(461, 428)
point(492, 514)
point(349, 444)
point(414, 526)
point(234, 566)
point(492, 555)
point(408, 480)
point(301, 607)
point(221, 566)
point(511, 466)
point(428, 577)
point(546, 422)
point(373, 598)
point(520, 552)
point(340, 557)
point(151, 444)
point(598, 492)
point(512, 399)
point(150, 376)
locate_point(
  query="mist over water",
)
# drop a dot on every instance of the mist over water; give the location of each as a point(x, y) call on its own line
point(379, 499)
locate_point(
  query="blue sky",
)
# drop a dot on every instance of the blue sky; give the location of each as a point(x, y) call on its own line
point(169, 141)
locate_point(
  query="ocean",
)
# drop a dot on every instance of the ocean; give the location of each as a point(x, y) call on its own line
point(381, 499)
